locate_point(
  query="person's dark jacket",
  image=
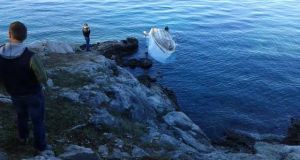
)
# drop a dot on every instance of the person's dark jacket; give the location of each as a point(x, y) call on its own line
point(21, 71)
point(86, 32)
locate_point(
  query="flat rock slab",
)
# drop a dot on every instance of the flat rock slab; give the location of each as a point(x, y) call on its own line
point(74, 152)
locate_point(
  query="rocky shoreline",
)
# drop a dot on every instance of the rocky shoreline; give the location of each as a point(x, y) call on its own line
point(115, 115)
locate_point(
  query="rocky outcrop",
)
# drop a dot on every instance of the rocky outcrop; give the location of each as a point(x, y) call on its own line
point(136, 118)
point(118, 101)
point(74, 152)
point(188, 131)
point(144, 63)
point(146, 80)
point(115, 50)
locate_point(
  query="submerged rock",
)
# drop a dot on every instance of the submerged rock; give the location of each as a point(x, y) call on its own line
point(146, 80)
point(238, 142)
point(293, 135)
point(144, 63)
point(172, 96)
point(132, 63)
point(189, 132)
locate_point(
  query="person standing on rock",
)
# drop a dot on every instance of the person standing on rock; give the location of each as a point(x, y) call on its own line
point(86, 33)
point(22, 75)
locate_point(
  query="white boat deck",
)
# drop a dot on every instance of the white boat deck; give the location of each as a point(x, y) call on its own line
point(163, 39)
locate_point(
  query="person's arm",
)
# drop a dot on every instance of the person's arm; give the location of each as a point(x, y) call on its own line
point(38, 68)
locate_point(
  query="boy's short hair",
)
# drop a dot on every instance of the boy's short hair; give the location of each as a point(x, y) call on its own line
point(18, 31)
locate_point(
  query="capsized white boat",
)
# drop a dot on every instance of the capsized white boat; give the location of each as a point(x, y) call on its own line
point(161, 44)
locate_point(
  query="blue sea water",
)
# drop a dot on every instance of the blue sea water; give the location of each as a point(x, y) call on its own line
point(237, 63)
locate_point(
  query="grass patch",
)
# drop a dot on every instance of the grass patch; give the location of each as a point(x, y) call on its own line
point(126, 126)
point(60, 116)
point(8, 134)
point(70, 80)
point(61, 60)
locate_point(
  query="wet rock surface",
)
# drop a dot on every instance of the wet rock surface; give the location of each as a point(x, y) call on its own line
point(115, 49)
point(146, 80)
point(238, 142)
point(293, 135)
point(144, 63)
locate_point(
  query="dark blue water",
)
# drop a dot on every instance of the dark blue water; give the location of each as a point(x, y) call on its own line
point(237, 63)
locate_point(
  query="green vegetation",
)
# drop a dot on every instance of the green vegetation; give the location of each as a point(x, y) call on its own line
point(69, 80)
point(60, 116)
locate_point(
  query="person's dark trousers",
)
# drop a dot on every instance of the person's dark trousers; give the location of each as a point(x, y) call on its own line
point(87, 40)
point(33, 107)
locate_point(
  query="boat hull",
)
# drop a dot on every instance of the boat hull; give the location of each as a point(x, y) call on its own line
point(156, 51)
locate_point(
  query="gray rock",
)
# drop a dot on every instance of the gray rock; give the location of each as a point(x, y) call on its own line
point(118, 154)
point(138, 152)
point(221, 155)
point(108, 136)
point(199, 144)
point(74, 152)
point(93, 98)
point(70, 95)
point(50, 83)
point(45, 155)
point(116, 48)
point(103, 151)
point(132, 63)
point(275, 151)
point(119, 143)
point(5, 99)
point(144, 63)
point(238, 141)
point(102, 118)
point(146, 80)
point(47, 47)
point(180, 120)
point(188, 131)
point(168, 142)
